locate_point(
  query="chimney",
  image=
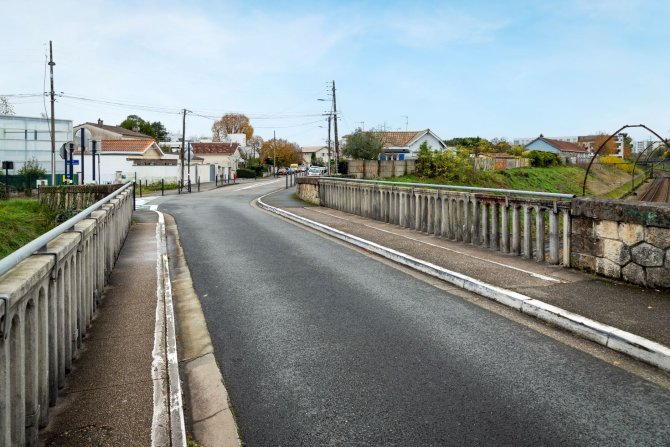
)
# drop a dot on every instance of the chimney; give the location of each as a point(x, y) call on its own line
point(99, 122)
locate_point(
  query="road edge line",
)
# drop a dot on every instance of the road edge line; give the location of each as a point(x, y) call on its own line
point(202, 375)
point(616, 339)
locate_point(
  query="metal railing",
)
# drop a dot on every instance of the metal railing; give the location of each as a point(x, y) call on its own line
point(504, 220)
point(49, 290)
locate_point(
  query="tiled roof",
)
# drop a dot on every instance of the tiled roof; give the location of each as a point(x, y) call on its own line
point(117, 129)
point(310, 149)
point(214, 148)
point(138, 145)
point(398, 139)
point(564, 146)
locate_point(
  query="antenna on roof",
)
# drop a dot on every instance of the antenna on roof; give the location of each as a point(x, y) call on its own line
point(406, 121)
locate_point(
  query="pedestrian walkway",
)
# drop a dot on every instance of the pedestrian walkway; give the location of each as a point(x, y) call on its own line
point(108, 399)
point(640, 311)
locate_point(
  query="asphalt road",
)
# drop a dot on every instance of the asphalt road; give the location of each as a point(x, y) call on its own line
point(320, 344)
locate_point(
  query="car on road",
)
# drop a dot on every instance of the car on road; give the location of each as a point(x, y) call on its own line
point(282, 171)
point(302, 168)
point(314, 171)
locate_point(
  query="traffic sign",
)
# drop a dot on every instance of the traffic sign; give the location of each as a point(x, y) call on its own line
point(73, 162)
point(63, 151)
point(83, 143)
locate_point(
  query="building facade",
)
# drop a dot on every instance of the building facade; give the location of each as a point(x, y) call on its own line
point(24, 138)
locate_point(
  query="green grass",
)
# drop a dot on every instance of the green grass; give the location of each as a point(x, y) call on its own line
point(21, 221)
point(558, 179)
point(156, 186)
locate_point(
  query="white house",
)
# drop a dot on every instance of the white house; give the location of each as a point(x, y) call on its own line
point(320, 154)
point(225, 155)
point(403, 145)
point(24, 138)
point(564, 149)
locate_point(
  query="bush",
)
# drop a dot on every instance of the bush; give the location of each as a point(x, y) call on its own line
point(246, 173)
point(541, 159)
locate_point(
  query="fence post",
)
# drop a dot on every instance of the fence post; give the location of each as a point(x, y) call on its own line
point(134, 195)
point(162, 186)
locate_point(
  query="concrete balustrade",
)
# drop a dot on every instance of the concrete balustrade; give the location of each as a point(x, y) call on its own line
point(48, 301)
point(522, 226)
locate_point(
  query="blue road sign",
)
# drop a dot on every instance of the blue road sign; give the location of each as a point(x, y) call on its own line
point(73, 162)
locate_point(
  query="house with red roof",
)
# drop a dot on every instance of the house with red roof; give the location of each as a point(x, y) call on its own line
point(226, 156)
point(564, 149)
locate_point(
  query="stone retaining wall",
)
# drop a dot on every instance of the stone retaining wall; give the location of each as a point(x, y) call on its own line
point(308, 189)
point(622, 240)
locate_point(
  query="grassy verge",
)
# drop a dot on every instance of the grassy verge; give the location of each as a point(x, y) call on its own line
point(559, 179)
point(21, 221)
point(153, 187)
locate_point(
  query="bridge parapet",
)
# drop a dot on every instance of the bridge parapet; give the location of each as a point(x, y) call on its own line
point(623, 240)
point(48, 301)
point(618, 239)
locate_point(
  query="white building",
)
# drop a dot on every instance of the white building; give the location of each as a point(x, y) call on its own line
point(24, 138)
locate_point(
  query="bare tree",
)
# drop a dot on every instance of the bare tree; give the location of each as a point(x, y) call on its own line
point(6, 107)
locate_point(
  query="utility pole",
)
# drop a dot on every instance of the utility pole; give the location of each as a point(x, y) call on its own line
point(330, 149)
point(53, 121)
point(183, 146)
point(274, 152)
point(337, 144)
point(406, 121)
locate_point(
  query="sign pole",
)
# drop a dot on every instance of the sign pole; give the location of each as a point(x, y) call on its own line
point(83, 152)
point(93, 144)
point(71, 163)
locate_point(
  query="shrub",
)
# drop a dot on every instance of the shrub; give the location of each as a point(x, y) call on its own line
point(246, 173)
point(541, 159)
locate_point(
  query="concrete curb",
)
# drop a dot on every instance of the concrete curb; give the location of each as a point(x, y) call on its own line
point(212, 420)
point(176, 407)
point(637, 347)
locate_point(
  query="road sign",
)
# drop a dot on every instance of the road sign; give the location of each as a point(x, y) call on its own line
point(7, 165)
point(73, 162)
point(63, 151)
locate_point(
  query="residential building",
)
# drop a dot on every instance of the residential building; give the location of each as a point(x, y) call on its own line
point(320, 153)
point(101, 131)
point(564, 149)
point(225, 155)
point(23, 138)
point(401, 145)
point(526, 141)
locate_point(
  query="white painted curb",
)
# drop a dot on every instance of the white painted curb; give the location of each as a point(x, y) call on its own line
point(168, 427)
point(637, 347)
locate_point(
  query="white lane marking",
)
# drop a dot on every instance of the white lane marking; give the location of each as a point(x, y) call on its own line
point(256, 185)
point(533, 274)
point(139, 201)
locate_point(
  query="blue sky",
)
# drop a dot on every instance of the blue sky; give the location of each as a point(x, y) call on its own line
point(461, 68)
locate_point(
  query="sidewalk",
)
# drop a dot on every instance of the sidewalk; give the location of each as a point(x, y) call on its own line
point(108, 399)
point(643, 312)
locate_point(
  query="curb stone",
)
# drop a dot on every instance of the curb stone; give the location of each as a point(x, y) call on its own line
point(211, 419)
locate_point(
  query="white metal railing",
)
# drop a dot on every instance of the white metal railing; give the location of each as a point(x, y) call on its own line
point(47, 300)
point(499, 219)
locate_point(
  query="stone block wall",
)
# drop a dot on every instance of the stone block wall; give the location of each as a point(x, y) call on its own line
point(623, 240)
point(308, 189)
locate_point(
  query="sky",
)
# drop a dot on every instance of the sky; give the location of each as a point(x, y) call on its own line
point(494, 69)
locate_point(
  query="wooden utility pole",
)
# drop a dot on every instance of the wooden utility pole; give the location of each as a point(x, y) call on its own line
point(337, 143)
point(183, 146)
point(53, 121)
point(330, 149)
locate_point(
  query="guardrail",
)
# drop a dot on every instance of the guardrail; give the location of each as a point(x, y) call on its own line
point(499, 219)
point(49, 290)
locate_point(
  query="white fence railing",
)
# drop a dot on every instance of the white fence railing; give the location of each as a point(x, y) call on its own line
point(47, 301)
point(532, 227)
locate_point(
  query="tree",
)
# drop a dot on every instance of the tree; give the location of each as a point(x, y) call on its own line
point(255, 143)
point(32, 168)
point(232, 123)
point(6, 107)
point(608, 149)
point(475, 145)
point(284, 152)
point(160, 131)
point(363, 145)
point(134, 122)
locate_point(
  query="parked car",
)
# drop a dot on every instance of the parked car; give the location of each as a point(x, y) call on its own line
point(314, 171)
point(290, 171)
point(302, 168)
point(282, 171)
